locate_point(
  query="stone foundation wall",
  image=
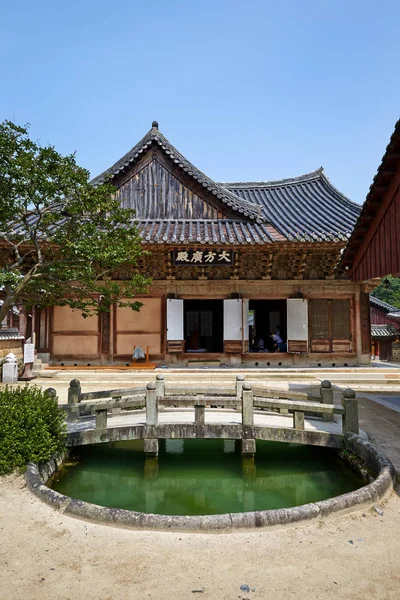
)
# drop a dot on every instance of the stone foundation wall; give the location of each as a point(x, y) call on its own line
point(7, 346)
point(396, 351)
point(36, 477)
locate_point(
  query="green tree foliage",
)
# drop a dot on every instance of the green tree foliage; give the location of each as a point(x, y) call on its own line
point(391, 295)
point(32, 427)
point(61, 238)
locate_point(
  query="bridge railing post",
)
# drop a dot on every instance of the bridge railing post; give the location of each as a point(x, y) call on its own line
point(326, 397)
point(101, 418)
point(199, 410)
point(239, 386)
point(298, 419)
point(52, 393)
point(160, 385)
point(350, 417)
point(247, 405)
point(73, 399)
point(151, 404)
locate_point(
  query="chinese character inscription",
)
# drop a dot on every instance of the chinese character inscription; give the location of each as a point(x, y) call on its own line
point(214, 256)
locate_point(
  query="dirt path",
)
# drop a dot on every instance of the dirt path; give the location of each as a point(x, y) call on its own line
point(45, 554)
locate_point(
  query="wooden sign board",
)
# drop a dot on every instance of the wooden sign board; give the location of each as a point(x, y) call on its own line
point(203, 256)
point(29, 353)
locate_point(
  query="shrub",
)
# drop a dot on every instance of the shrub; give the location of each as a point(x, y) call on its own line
point(32, 427)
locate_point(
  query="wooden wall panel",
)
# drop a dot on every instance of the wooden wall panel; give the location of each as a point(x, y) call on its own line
point(155, 193)
point(76, 345)
point(66, 319)
point(127, 341)
point(381, 252)
point(143, 328)
point(148, 319)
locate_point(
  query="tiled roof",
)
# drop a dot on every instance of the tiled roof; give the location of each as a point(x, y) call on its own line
point(384, 331)
point(207, 232)
point(306, 208)
point(378, 187)
point(302, 208)
point(384, 305)
point(155, 137)
point(10, 334)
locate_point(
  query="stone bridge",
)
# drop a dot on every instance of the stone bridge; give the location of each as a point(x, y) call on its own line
point(245, 412)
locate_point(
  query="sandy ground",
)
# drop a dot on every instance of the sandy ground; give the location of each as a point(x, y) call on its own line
point(45, 554)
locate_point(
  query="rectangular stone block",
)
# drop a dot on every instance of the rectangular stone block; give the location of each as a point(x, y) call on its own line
point(101, 419)
point(248, 446)
point(151, 447)
point(199, 414)
point(10, 373)
point(247, 408)
point(298, 420)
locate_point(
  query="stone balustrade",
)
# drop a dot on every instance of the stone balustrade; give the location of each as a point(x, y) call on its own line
point(245, 398)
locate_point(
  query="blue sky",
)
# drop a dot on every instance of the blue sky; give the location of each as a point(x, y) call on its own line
point(252, 90)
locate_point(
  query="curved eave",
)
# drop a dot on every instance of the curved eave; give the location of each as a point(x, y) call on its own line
point(378, 188)
point(221, 231)
point(308, 206)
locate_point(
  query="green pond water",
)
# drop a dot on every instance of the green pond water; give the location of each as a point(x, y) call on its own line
point(200, 477)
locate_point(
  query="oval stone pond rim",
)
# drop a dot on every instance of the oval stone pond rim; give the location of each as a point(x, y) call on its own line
point(36, 477)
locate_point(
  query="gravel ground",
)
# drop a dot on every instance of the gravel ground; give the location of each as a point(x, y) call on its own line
point(45, 554)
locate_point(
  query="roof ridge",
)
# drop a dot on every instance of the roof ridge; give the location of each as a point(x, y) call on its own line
point(276, 182)
point(180, 219)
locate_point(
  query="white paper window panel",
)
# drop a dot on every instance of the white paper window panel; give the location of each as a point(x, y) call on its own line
point(174, 320)
point(233, 319)
point(297, 319)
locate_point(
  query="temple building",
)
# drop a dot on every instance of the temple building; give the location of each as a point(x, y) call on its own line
point(385, 330)
point(231, 264)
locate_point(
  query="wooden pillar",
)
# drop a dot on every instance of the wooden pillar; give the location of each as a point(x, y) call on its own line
point(22, 320)
point(105, 330)
point(358, 329)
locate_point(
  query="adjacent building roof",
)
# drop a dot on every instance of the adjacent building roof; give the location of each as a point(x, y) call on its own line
point(307, 208)
point(383, 305)
point(357, 255)
point(384, 331)
point(391, 311)
point(10, 334)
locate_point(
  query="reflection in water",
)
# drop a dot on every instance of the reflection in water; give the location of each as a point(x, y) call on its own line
point(204, 477)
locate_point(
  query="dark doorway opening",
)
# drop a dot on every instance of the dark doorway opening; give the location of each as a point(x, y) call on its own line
point(265, 317)
point(204, 322)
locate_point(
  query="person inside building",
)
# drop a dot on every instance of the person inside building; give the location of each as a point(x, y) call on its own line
point(259, 345)
point(279, 344)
